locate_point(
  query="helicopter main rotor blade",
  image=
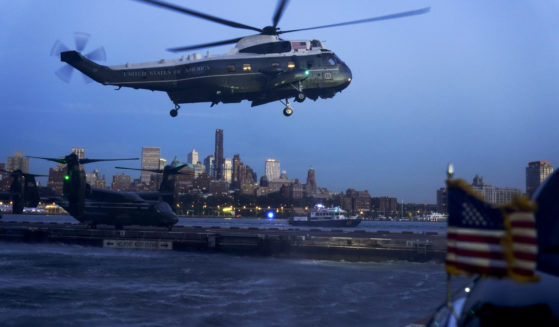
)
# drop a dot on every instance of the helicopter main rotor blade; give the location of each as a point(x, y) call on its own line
point(205, 45)
point(58, 160)
point(142, 169)
point(366, 20)
point(279, 11)
point(214, 19)
point(86, 161)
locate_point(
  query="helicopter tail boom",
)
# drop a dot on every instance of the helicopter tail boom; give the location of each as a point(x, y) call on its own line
point(98, 73)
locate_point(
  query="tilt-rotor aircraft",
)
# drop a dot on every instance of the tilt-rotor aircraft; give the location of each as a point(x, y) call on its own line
point(261, 68)
point(23, 191)
point(95, 206)
point(167, 190)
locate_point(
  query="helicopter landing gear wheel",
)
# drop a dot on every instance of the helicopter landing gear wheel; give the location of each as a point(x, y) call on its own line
point(287, 111)
point(300, 97)
point(175, 112)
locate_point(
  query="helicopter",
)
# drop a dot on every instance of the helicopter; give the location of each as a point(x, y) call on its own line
point(23, 190)
point(93, 206)
point(261, 68)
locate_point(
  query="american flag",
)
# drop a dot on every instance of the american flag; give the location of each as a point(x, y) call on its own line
point(475, 235)
point(486, 240)
point(524, 243)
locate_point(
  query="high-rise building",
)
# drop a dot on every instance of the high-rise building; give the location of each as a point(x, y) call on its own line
point(150, 160)
point(209, 162)
point(536, 173)
point(236, 176)
point(192, 157)
point(272, 169)
point(18, 161)
point(218, 155)
point(80, 152)
point(228, 170)
point(162, 163)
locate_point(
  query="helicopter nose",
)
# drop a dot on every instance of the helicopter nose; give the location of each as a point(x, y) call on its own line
point(347, 75)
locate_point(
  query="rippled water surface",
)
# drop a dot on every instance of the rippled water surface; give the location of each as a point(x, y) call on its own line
point(65, 285)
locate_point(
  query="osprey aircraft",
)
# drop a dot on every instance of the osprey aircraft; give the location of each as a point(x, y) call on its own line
point(261, 68)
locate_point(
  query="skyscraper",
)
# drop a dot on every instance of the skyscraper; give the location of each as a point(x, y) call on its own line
point(536, 173)
point(227, 170)
point(192, 157)
point(150, 160)
point(80, 152)
point(209, 162)
point(272, 169)
point(218, 155)
point(18, 161)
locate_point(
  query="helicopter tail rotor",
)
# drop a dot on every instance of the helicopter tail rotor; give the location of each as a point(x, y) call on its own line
point(80, 39)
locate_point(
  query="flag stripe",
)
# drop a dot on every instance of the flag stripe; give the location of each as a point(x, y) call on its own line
point(477, 269)
point(474, 238)
point(524, 239)
point(475, 246)
point(525, 256)
point(477, 254)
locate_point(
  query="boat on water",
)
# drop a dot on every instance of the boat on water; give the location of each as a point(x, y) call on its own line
point(321, 216)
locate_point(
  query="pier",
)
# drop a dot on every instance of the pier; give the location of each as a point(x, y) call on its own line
point(318, 244)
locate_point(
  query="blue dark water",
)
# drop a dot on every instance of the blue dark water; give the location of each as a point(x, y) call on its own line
point(65, 285)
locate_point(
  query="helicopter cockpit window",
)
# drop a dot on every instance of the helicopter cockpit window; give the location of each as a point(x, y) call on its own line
point(271, 47)
point(328, 60)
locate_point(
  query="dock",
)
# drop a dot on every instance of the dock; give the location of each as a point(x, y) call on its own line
point(317, 244)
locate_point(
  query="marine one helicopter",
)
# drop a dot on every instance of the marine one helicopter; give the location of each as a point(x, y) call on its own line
point(23, 191)
point(93, 206)
point(261, 68)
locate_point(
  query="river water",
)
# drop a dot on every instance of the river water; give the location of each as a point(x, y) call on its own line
point(68, 285)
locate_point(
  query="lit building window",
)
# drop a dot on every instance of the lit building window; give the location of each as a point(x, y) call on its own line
point(291, 65)
point(246, 68)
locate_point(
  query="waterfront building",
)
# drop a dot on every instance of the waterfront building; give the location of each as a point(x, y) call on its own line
point(536, 173)
point(150, 160)
point(18, 161)
point(192, 157)
point(121, 182)
point(311, 187)
point(492, 194)
point(209, 162)
point(219, 187)
point(218, 154)
point(272, 169)
point(357, 201)
point(384, 205)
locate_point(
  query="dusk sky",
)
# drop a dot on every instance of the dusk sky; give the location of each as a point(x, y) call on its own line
point(474, 83)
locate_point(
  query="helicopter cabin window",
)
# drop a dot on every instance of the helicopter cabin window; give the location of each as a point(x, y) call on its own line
point(246, 68)
point(291, 65)
point(231, 68)
point(271, 47)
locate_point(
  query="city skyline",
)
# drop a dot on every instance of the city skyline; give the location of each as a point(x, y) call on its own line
point(473, 84)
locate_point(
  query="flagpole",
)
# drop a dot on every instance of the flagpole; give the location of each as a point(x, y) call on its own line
point(449, 174)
